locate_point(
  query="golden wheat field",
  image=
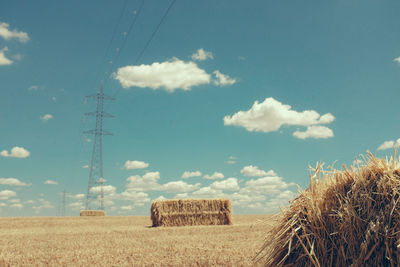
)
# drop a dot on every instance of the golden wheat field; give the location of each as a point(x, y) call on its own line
point(128, 241)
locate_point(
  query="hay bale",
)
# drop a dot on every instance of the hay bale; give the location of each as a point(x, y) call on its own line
point(92, 213)
point(348, 218)
point(191, 212)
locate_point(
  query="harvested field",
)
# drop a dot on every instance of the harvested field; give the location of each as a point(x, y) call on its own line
point(128, 241)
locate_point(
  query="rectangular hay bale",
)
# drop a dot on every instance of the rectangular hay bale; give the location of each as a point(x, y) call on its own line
point(92, 213)
point(184, 212)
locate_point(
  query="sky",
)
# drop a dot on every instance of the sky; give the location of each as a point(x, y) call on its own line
point(214, 99)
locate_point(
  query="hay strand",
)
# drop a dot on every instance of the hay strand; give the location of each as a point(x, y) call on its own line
point(350, 217)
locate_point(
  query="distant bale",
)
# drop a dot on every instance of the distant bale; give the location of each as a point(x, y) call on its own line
point(93, 213)
point(348, 218)
point(191, 212)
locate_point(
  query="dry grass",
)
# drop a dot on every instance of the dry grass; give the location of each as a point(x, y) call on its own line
point(128, 241)
point(191, 212)
point(348, 218)
point(92, 213)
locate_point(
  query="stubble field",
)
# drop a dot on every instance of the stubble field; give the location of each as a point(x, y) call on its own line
point(128, 241)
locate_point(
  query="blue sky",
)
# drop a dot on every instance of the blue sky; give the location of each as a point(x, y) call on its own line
point(241, 96)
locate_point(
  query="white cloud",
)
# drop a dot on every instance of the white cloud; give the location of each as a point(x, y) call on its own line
point(77, 196)
point(3, 205)
point(271, 115)
point(179, 187)
point(170, 75)
point(46, 117)
point(6, 194)
point(138, 199)
point(255, 171)
point(230, 184)
point(208, 192)
point(223, 79)
point(201, 55)
point(188, 174)
point(14, 200)
point(215, 175)
point(397, 59)
point(12, 182)
point(16, 205)
point(160, 198)
point(149, 181)
point(181, 196)
point(3, 59)
point(50, 182)
point(135, 164)
point(16, 152)
point(315, 131)
point(389, 144)
point(29, 202)
point(77, 205)
point(108, 190)
point(85, 166)
point(8, 34)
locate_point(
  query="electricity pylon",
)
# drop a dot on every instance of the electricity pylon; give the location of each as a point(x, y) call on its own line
point(96, 178)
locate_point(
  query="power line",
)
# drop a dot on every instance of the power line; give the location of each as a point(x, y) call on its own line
point(151, 38)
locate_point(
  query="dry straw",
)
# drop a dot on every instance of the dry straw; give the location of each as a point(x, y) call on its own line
point(349, 217)
point(191, 212)
point(92, 213)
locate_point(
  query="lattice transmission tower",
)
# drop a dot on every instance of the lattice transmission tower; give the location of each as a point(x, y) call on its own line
point(95, 192)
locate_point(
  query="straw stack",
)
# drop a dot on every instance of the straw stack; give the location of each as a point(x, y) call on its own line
point(92, 213)
point(191, 212)
point(348, 218)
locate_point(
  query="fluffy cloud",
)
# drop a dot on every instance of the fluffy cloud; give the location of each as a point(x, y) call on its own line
point(208, 192)
point(46, 117)
point(389, 144)
point(169, 75)
point(315, 131)
point(16, 205)
point(138, 199)
point(135, 164)
point(179, 187)
point(16, 152)
point(108, 190)
point(230, 184)
point(6, 194)
point(271, 115)
point(3, 59)
point(8, 34)
point(42, 204)
point(255, 171)
point(215, 175)
point(12, 182)
point(397, 59)
point(77, 196)
point(188, 174)
point(85, 166)
point(76, 205)
point(201, 55)
point(149, 181)
point(50, 182)
point(222, 79)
